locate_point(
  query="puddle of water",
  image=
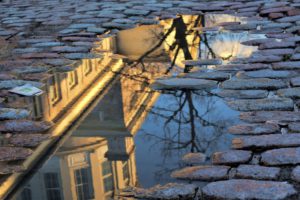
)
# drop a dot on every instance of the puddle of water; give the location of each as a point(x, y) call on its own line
point(135, 136)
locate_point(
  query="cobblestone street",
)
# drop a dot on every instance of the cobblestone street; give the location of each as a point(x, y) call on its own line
point(39, 38)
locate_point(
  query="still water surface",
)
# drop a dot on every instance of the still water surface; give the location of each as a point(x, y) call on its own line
point(135, 136)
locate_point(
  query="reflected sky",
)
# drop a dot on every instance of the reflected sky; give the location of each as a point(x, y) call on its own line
point(135, 136)
point(179, 123)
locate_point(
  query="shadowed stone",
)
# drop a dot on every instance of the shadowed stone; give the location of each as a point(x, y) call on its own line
point(168, 191)
point(266, 141)
point(123, 21)
point(218, 76)
point(183, 83)
point(295, 81)
point(79, 39)
point(202, 62)
point(39, 55)
point(296, 174)
point(241, 67)
point(69, 49)
point(257, 58)
point(268, 73)
point(26, 50)
point(6, 76)
point(231, 157)
point(257, 42)
point(294, 127)
point(243, 189)
point(257, 172)
point(27, 140)
point(14, 153)
point(293, 29)
point(276, 15)
point(243, 94)
point(48, 44)
point(24, 126)
point(77, 56)
point(295, 57)
point(202, 173)
point(81, 26)
point(117, 25)
point(96, 30)
point(273, 45)
point(57, 62)
point(136, 12)
point(9, 84)
point(209, 8)
point(254, 129)
point(263, 116)
point(283, 156)
point(290, 19)
point(31, 69)
point(262, 104)
point(194, 158)
point(86, 44)
point(274, 10)
point(289, 92)
point(286, 65)
point(68, 31)
point(35, 40)
point(11, 113)
point(10, 169)
point(276, 52)
point(259, 83)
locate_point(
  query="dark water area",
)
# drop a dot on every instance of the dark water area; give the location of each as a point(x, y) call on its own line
point(134, 135)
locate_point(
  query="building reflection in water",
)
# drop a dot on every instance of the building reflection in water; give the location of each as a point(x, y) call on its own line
point(94, 162)
point(99, 157)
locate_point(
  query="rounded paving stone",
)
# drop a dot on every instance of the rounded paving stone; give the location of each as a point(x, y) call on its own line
point(263, 116)
point(14, 153)
point(231, 157)
point(254, 129)
point(289, 92)
point(183, 83)
point(266, 141)
point(11, 113)
point(24, 126)
point(202, 173)
point(27, 140)
point(262, 104)
point(257, 172)
point(283, 156)
point(243, 94)
point(194, 158)
point(9, 169)
point(258, 83)
point(168, 191)
point(296, 174)
point(243, 189)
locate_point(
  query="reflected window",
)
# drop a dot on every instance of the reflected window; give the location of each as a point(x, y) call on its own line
point(52, 186)
point(125, 171)
point(88, 68)
point(55, 93)
point(26, 194)
point(73, 79)
point(84, 184)
point(108, 179)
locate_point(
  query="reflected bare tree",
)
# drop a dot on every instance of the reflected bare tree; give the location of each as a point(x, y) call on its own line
point(180, 44)
point(184, 123)
point(187, 114)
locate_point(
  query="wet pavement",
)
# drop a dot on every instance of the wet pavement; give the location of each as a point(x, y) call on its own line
point(219, 90)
